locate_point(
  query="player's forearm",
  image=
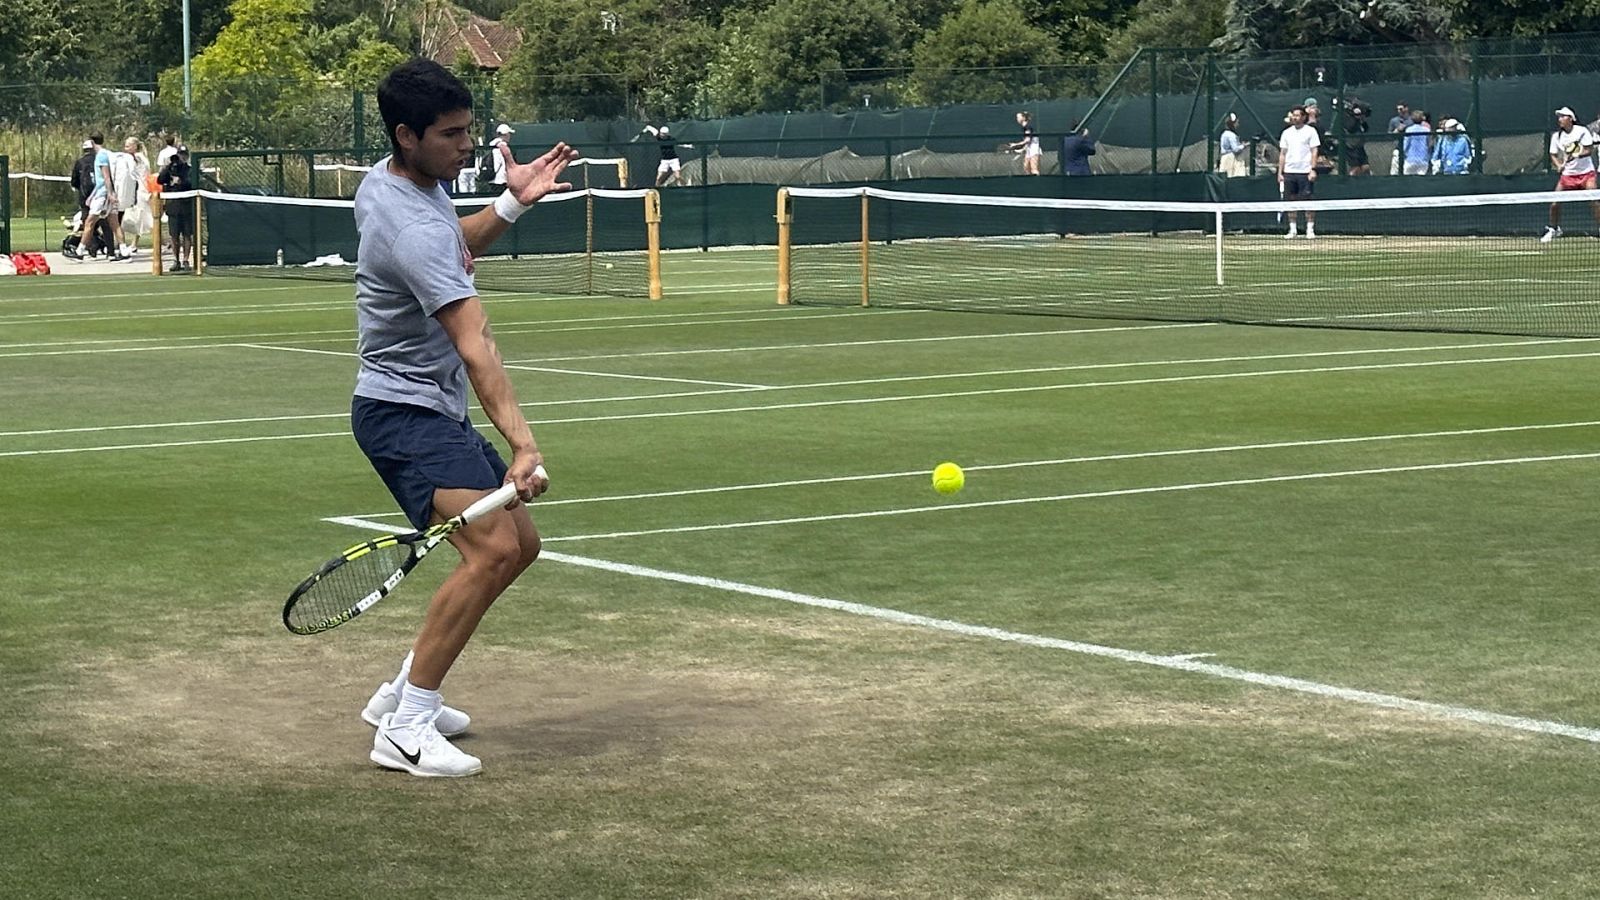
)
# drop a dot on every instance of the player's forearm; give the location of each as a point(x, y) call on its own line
point(482, 229)
point(487, 372)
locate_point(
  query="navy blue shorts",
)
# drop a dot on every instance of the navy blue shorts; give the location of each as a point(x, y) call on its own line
point(417, 451)
point(1297, 185)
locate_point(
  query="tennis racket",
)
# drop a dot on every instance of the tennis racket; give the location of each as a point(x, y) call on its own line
point(347, 585)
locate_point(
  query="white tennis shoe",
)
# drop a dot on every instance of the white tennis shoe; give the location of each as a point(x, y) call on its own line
point(386, 699)
point(1550, 233)
point(421, 750)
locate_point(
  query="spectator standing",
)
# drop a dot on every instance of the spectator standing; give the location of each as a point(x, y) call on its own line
point(467, 181)
point(502, 138)
point(130, 169)
point(1324, 160)
point(176, 177)
point(167, 152)
point(1397, 125)
point(1415, 149)
point(1230, 161)
point(1452, 152)
point(1356, 127)
point(1076, 148)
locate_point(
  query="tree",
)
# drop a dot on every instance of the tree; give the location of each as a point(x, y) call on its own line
point(1256, 25)
point(1158, 23)
point(775, 58)
point(984, 35)
point(256, 70)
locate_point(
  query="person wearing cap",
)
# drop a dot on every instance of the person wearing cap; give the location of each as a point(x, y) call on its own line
point(1297, 174)
point(175, 177)
point(1230, 160)
point(101, 207)
point(502, 138)
point(1324, 142)
point(670, 168)
point(1452, 152)
point(1397, 125)
point(1572, 153)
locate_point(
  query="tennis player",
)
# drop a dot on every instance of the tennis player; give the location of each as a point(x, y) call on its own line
point(1572, 153)
point(1297, 160)
point(422, 336)
point(670, 169)
point(1029, 145)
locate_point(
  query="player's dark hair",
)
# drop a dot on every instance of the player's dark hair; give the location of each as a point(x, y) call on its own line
point(415, 94)
point(1298, 108)
point(97, 137)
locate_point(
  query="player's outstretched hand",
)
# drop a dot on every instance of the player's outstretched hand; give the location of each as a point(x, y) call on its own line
point(530, 181)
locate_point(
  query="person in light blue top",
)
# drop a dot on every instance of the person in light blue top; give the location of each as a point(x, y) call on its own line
point(1231, 163)
point(1416, 152)
point(1452, 154)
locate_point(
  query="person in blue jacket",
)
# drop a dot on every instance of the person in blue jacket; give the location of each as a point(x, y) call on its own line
point(1076, 148)
point(1452, 153)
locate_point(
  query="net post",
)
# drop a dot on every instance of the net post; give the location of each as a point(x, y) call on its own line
point(1219, 247)
point(155, 232)
point(5, 204)
point(197, 251)
point(866, 244)
point(588, 242)
point(622, 173)
point(25, 181)
point(652, 226)
point(784, 220)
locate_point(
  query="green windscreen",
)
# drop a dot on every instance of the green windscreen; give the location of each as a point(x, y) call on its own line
point(583, 242)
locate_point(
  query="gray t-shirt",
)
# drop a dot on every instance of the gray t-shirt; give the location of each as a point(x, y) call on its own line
point(412, 262)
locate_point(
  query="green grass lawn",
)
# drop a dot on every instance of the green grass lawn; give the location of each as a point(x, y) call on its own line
point(1162, 645)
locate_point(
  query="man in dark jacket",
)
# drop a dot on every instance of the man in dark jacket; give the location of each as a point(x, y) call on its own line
point(1076, 148)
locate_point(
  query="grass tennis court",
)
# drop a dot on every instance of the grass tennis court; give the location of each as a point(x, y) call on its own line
point(1222, 611)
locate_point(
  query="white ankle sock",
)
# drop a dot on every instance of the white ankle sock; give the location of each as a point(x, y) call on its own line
point(399, 681)
point(417, 705)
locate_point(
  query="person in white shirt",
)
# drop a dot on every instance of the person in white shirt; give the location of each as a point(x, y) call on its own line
point(1572, 153)
point(131, 171)
point(1297, 160)
point(502, 138)
point(167, 152)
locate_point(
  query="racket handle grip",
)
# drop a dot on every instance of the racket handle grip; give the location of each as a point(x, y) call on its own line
point(503, 495)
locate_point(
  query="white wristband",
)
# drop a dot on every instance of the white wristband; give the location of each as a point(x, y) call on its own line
point(507, 207)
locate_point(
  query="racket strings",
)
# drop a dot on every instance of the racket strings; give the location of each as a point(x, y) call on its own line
point(339, 590)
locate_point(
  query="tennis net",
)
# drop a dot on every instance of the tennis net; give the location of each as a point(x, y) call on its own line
point(578, 242)
point(1450, 263)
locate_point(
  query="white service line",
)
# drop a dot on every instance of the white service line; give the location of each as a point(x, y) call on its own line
point(860, 401)
point(68, 298)
point(726, 384)
point(736, 388)
point(1084, 495)
point(1182, 662)
point(350, 333)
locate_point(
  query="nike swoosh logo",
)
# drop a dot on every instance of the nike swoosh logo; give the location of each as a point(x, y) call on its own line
point(410, 757)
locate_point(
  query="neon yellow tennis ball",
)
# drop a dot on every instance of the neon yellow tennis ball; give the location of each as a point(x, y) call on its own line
point(948, 478)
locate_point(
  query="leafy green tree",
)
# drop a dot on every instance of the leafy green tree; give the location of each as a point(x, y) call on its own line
point(993, 37)
point(1255, 25)
point(246, 83)
point(1157, 23)
point(776, 58)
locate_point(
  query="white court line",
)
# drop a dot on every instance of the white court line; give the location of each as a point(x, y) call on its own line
point(862, 401)
point(1184, 662)
point(350, 333)
point(735, 388)
point(68, 298)
point(1084, 495)
point(726, 384)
